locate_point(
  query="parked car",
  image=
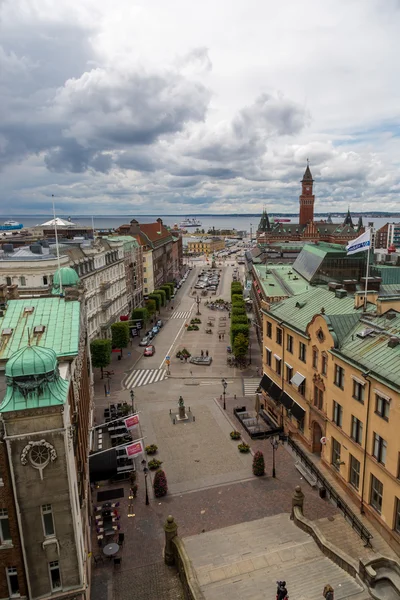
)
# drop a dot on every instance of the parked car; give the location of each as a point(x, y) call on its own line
point(144, 341)
point(150, 334)
point(159, 323)
point(149, 350)
point(155, 330)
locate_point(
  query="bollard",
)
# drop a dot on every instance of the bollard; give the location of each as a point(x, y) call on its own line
point(170, 410)
point(173, 421)
point(171, 531)
point(194, 418)
point(297, 500)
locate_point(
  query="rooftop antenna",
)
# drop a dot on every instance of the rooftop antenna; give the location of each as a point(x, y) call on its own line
point(308, 162)
point(57, 248)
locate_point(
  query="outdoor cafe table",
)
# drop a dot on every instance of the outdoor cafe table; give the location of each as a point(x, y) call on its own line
point(110, 549)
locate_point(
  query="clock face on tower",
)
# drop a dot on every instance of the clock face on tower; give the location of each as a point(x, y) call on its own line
point(307, 188)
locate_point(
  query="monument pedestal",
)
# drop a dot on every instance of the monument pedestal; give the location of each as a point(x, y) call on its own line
point(182, 416)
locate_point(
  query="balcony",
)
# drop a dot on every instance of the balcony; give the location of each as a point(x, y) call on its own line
point(105, 285)
point(106, 304)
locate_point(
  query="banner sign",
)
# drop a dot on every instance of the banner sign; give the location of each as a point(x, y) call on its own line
point(134, 449)
point(130, 422)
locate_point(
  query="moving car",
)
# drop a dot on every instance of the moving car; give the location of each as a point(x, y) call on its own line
point(144, 341)
point(149, 350)
point(201, 360)
point(155, 330)
point(159, 323)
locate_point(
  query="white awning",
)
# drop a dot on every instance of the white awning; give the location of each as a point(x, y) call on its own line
point(297, 379)
point(290, 366)
point(277, 357)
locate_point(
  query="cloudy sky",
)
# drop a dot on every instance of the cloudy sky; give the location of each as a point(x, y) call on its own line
point(173, 106)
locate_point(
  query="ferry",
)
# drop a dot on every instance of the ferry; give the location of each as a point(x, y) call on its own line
point(11, 226)
point(188, 222)
point(277, 220)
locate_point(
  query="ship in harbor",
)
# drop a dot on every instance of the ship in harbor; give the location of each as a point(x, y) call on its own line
point(11, 226)
point(190, 222)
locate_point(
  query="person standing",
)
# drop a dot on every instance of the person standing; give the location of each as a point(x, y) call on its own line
point(328, 592)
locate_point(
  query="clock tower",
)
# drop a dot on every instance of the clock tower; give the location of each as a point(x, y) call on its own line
point(307, 198)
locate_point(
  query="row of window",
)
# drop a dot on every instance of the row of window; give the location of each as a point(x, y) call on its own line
point(288, 373)
point(22, 280)
point(54, 575)
point(47, 523)
point(376, 486)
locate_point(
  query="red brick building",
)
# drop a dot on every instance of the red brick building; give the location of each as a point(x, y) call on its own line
point(307, 229)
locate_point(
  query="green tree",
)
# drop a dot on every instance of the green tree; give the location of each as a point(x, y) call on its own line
point(156, 299)
point(140, 314)
point(240, 345)
point(162, 295)
point(120, 335)
point(237, 300)
point(242, 318)
point(239, 328)
point(151, 306)
point(238, 310)
point(167, 290)
point(100, 351)
point(172, 286)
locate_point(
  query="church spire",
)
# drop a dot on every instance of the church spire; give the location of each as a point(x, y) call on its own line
point(307, 173)
point(264, 224)
point(348, 220)
point(360, 223)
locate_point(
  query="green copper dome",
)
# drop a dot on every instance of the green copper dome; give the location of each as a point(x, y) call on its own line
point(69, 278)
point(31, 360)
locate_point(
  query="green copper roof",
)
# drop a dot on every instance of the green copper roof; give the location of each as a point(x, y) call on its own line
point(59, 318)
point(128, 240)
point(31, 360)
point(280, 280)
point(342, 324)
point(69, 277)
point(298, 311)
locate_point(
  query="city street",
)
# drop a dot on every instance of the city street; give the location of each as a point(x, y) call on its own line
point(210, 483)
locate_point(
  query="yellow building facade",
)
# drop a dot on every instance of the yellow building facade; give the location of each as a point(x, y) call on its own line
point(205, 246)
point(332, 379)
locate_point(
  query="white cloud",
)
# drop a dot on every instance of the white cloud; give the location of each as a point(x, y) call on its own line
point(190, 106)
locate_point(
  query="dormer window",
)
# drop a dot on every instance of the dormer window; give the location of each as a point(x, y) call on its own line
point(29, 310)
point(39, 329)
point(7, 331)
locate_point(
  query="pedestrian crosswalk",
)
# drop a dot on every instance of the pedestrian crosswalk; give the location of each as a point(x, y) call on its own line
point(139, 377)
point(250, 386)
point(183, 314)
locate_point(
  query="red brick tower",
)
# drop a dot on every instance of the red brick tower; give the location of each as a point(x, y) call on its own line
point(307, 198)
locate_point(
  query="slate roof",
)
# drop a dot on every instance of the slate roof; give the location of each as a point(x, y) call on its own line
point(60, 318)
point(297, 311)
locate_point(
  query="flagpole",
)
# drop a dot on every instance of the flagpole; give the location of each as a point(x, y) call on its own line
point(57, 248)
point(367, 274)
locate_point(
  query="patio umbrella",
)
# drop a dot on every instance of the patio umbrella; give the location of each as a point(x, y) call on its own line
point(257, 406)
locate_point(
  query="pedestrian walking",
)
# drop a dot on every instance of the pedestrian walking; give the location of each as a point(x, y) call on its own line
point(219, 337)
point(202, 353)
point(206, 352)
point(223, 336)
point(328, 592)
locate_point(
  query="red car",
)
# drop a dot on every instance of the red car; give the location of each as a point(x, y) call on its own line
point(149, 351)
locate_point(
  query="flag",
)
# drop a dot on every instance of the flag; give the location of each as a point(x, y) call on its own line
point(134, 449)
point(360, 244)
point(130, 422)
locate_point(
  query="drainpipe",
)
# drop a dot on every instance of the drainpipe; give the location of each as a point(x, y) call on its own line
point(283, 367)
point(18, 511)
point(365, 375)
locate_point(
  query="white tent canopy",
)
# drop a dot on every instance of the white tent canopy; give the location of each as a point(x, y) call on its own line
point(58, 222)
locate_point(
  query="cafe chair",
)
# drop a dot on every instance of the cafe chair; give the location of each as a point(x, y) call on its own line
point(121, 539)
point(97, 559)
point(117, 561)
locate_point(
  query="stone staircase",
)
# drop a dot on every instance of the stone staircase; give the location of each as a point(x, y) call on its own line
point(243, 562)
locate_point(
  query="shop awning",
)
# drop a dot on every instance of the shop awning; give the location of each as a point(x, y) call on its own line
point(297, 411)
point(265, 383)
point(275, 391)
point(287, 401)
point(297, 379)
point(103, 465)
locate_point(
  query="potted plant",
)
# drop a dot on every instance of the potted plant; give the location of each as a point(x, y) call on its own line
point(160, 484)
point(244, 448)
point(235, 435)
point(154, 464)
point(258, 464)
point(151, 449)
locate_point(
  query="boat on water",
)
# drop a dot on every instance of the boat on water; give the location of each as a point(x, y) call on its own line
point(277, 220)
point(190, 222)
point(11, 225)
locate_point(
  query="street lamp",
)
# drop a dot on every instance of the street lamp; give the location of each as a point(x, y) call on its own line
point(274, 444)
point(146, 472)
point(132, 393)
point(224, 386)
point(198, 300)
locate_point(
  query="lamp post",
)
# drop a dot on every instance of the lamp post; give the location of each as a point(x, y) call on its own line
point(249, 350)
point(198, 300)
point(274, 444)
point(224, 386)
point(132, 393)
point(146, 472)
